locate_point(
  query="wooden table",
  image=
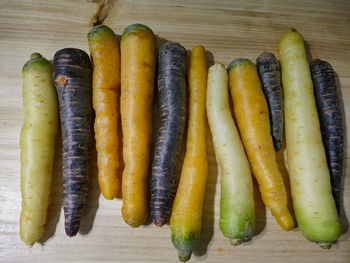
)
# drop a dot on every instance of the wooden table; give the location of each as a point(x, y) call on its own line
point(228, 29)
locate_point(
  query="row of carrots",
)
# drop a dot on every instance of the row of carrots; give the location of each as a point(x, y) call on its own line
point(118, 84)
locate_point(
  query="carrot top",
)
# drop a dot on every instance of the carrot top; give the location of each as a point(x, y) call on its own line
point(99, 29)
point(134, 28)
point(236, 62)
point(36, 60)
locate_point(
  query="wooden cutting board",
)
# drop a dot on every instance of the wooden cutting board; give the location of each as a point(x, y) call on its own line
point(228, 29)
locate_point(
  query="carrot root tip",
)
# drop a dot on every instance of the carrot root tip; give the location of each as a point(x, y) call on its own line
point(184, 255)
point(238, 241)
point(72, 231)
point(324, 245)
point(159, 222)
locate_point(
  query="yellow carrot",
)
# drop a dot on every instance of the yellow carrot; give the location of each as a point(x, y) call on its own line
point(104, 50)
point(137, 85)
point(252, 117)
point(37, 142)
point(313, 202)
point(186, 216)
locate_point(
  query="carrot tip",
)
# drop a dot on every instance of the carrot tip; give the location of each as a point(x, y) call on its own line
point(236, 242)
point(184, 255)
point(72, 232)
point(286, 222)
point(159, 224)
point(71, 228)
point(324, 245)
point(159, 221)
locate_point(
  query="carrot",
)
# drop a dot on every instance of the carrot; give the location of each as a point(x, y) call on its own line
point(37, 143)
point(137, 80)
point(172, 107)
point(332, 124)
point(270, 76)
point(104, 49)
point(253, 122)
point(313, 202)
point(186, 216)
point(237, 214)
point(72, 78)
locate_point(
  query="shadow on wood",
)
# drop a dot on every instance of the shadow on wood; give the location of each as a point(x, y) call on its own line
point(281, 161)
point(55, 206)
point(260, 210)
point(93, 193)
point(308, 51)
point(210, 58)
point(155, 127)
point(209, 200)
point(120, 140)
point(120, 150)
point(344, 221)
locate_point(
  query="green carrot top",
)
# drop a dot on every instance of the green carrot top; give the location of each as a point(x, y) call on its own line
point(133, 28)
point(36, 61)
point(237, 61)
point(99, 29)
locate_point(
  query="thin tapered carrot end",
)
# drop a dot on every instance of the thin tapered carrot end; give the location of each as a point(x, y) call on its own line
point(27, 240)
point(325, 245)
point(110, 194)
point(71, 225)
point(235, 242)
point(286, 222)
point(159, 222)
point(72, 230)
point(184, 255)
point(158, 218)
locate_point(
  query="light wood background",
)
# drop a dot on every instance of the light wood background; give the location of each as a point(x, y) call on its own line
point(228, 29)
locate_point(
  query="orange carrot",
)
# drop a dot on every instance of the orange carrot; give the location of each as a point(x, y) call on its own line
point(186, 216)
point(252, 116)
point(137, 84)
point(104, 50)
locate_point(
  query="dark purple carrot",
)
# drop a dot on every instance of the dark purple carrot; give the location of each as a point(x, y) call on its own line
point(172, 106)
point(331, 121)
point(72, 78)
point(270, 76)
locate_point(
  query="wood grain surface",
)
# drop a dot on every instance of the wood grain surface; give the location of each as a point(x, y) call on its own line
point(228, 29)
